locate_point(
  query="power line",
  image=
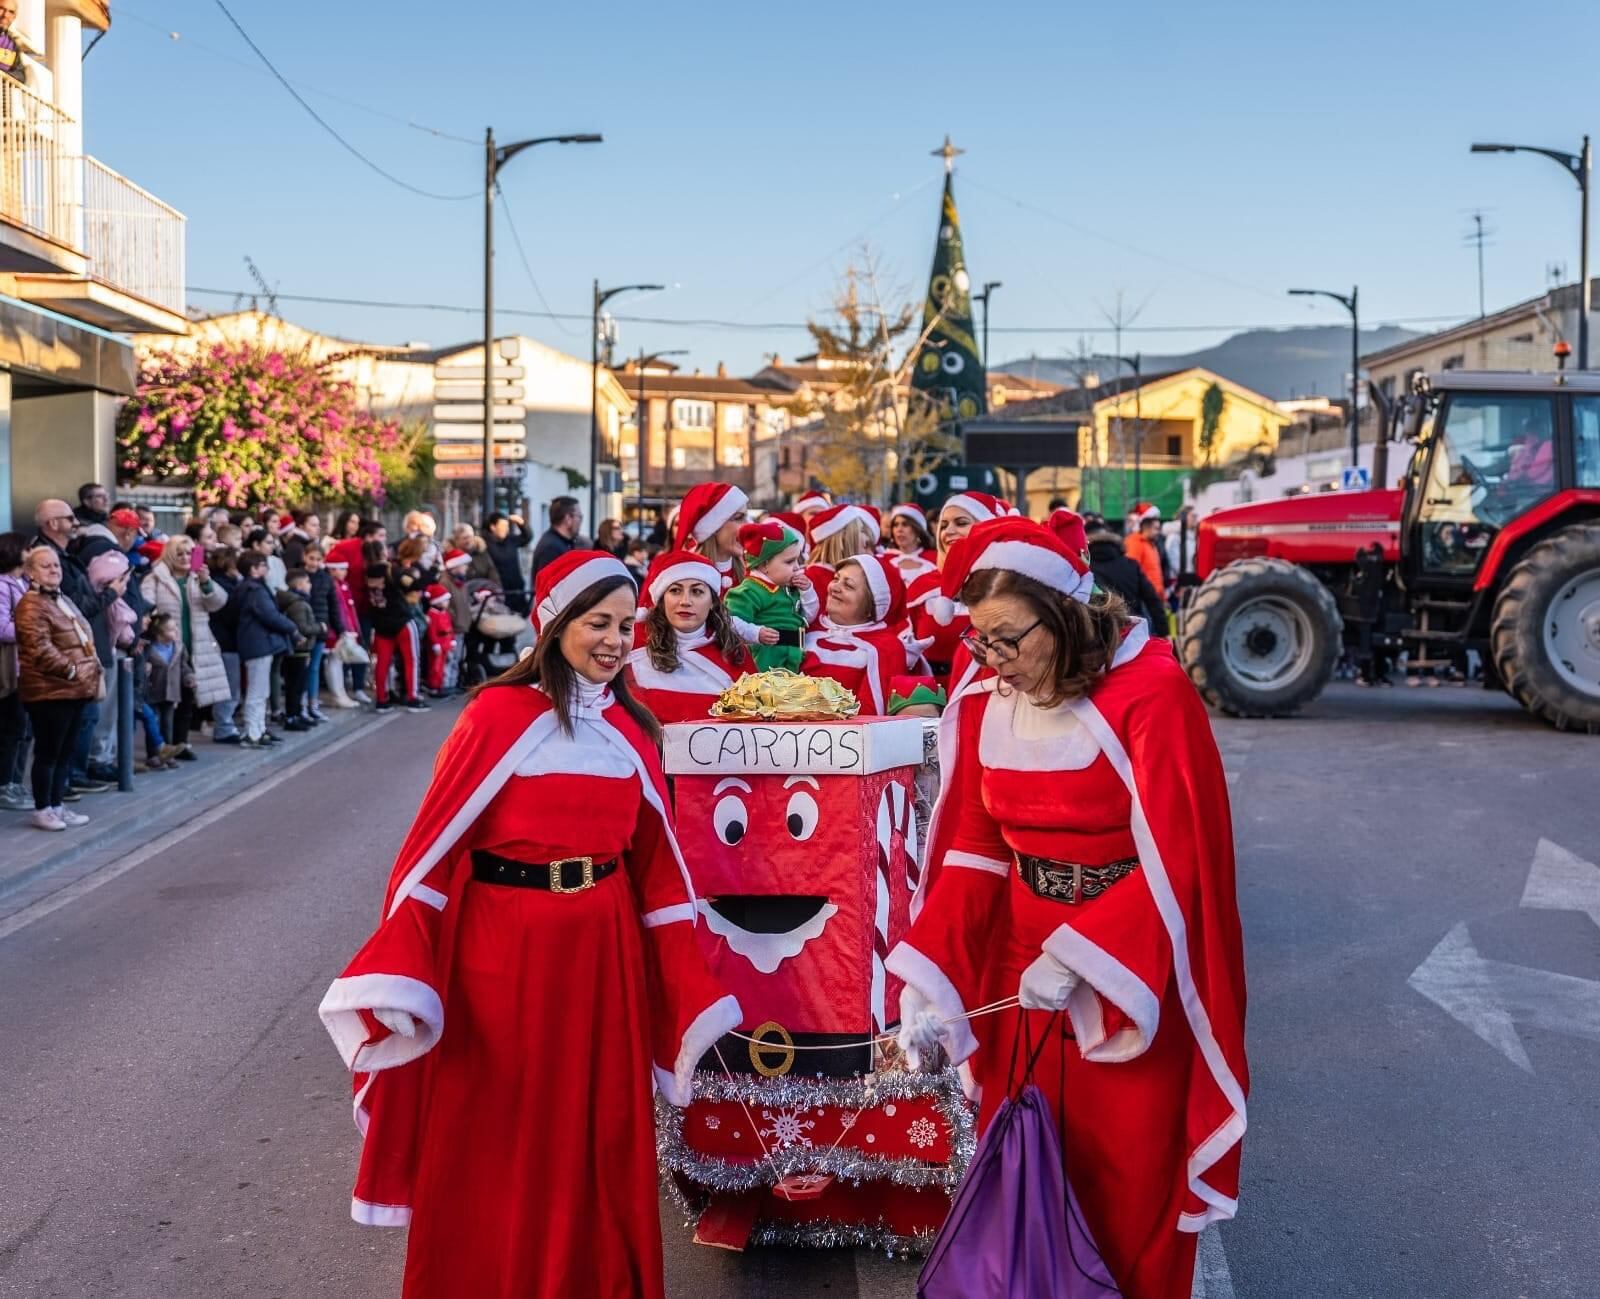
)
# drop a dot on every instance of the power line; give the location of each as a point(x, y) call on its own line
point(511, 224)
point(767, 326)
point(323, 123)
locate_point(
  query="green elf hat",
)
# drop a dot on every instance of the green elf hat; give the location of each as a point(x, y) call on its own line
point(908, 690)
point(764, 541)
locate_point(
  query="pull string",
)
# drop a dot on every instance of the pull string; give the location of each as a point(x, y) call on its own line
point(993, 1008)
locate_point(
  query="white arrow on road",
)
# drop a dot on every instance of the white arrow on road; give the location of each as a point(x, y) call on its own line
point(1560, 880)
point(1212, 1279)
point(1493, 997)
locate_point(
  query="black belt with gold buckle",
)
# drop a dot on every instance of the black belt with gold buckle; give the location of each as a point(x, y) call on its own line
point(566, 875)
point(1071, 882)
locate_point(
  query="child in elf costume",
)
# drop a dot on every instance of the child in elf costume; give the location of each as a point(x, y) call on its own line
point(441, 638)
point(776, 596)
point(916, 696)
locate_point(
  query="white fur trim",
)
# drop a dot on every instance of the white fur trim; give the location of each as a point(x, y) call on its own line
point(1018, 736)
point(434, 898)
point(648, 788)
point(380, 1215)
point(1104, 974)
point(838, 648)
point(847, 515)
point(1137, 637)
point(575, 583)
point(1154, 872)
point(915, 969)
point(981, 513)
point(346, 998)
point(675, 914)
point(726, 506)
point(721, 1016)
point(812, 501)
point(696, 674)
point(949, 743)
point(696, 570)
point(978, 862)
point(877, 582)
point(1041, 564)
point(912, 512)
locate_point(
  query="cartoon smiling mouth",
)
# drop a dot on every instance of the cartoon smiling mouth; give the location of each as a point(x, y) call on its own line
point(766, 929)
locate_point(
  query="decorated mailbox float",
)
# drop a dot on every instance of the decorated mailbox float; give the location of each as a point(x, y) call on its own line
point(804, 845)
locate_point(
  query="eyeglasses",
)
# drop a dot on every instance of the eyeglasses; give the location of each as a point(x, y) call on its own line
point(1003, 648)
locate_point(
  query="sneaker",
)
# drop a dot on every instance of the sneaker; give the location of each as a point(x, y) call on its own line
point(235, 738)
point(383, 707)
point(45, 819)
point(268, 739)
point(14, 798)
point(108, 774)
point(361, 697)
point(416, 706)
point(297, 724)
point(245, 742)
point(316, 714)
point(152, 763)
point(69, 818)
point(71, 796)
point(186, 754)
point(92, 786)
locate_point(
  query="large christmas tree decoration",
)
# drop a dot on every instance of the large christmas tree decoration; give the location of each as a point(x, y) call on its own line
point(948, 367)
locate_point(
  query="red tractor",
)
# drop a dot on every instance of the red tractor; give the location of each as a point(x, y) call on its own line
point(1492, 543)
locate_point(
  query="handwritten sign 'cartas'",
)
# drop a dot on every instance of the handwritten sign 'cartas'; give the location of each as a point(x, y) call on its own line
point(803, 748)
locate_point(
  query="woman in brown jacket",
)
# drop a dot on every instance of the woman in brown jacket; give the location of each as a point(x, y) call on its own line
point(58, 674)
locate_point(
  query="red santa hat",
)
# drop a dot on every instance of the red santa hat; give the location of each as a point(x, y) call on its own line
point(1143, 510)
point(124, 518)
point(286, 522)
point(812, 501)
point(564, 579)
point(679, 566)
point(915, 513)
point(1019, 546)
point(1069, 527)
point(336, 561)
point(887, 587)
point(765, 541)
point(836, 518)
point(705, 509)
point(454, 558)
point(437, 594)
point(790, 520)
point(980, 505)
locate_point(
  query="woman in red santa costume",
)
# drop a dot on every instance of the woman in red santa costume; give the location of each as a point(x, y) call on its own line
point(857, 642)
point(708, 524)
point(690, 652)
point(911, 544)
point(1081, 859)
point(535, 966)
point(835, 533)
point(938, 619)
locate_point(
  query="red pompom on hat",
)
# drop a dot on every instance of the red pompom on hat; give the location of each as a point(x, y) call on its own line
point(563, 580)
point(456, 558)
point(836, 518)
point(1023, 547)
point(437, 594)
point(1069, 527)
point(705, 509)
point(915, 513)
point(679, 566)
point(813, 501)
point(887, 587)
point(980, 505)
point(765, 541)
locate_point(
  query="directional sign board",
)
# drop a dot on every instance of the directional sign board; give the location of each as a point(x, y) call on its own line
point(452, 373)
point(474, 432)
point(472, 390)
point(451, 471)
point(466, 413)
point(470, 451)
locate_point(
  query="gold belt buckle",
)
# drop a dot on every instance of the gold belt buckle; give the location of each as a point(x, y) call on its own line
point(588, 874)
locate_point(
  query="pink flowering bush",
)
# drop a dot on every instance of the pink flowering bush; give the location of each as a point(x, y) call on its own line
point(244, 425)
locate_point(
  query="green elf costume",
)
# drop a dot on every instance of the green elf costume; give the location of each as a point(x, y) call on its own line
point(759, 600)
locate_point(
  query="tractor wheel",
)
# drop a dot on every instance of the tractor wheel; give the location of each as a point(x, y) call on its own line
point(1260, 638)
point(1545, 633)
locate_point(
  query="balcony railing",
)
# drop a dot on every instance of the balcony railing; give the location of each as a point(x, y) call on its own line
point(132, 240)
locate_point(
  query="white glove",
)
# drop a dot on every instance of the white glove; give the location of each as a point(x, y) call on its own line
point(921, 1028)
point(1046, 984)
point(396, 1021)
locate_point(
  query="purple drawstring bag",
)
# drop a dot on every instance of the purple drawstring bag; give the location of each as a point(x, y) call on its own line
point(1015, 1230)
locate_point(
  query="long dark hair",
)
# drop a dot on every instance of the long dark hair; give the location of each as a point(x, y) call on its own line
point(924, 537)
point(662, 644)
point(548, 668)
point(343, 522)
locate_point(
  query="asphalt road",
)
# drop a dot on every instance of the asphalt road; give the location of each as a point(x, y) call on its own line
point(174, 1121)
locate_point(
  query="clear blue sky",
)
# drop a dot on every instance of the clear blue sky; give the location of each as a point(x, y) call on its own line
point(1196, 159)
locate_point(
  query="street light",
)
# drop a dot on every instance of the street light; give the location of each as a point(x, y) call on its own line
point(638, 424)
point(1579, 167)
point(601, 297)
point(983, 297)
point(496, 157)
point(1349, 304)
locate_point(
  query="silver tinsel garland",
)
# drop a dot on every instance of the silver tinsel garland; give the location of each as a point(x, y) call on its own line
point(792, 1092)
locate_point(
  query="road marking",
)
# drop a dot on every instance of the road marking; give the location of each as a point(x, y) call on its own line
point(1212, 1279)
point(89, 883)
point(1492, 997)
point(1560, 880)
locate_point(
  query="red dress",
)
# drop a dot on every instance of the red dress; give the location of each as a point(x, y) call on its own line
point(864, 660)
point(684, 695)
point(515, 1132)
point(1146, 1071)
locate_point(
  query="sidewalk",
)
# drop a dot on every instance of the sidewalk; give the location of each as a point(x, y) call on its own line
point(35, 864)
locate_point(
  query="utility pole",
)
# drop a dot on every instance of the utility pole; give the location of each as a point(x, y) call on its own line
point(983, 297)
point(494, 159)
point(1350, 304)
point(601, 297)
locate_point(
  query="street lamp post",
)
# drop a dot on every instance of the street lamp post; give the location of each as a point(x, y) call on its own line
point(638, 424)
point(1349, 303)
point(983, 297)
point(1579, 166)
point(496, 157)
point(601, 297)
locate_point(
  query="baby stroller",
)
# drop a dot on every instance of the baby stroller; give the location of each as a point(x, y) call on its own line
point(492, 636)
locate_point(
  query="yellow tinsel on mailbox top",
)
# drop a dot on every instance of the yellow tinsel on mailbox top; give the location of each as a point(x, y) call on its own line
point(785, 696)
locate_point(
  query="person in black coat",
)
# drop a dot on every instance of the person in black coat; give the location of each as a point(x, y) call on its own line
point(263, 632)
point(1114, 571)
point(505, 536)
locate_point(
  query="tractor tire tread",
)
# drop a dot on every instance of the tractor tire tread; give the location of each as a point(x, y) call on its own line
point(1516, 645)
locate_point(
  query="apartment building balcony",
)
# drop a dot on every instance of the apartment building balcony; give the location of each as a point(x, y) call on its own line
point(78, 237)
point(660, 481)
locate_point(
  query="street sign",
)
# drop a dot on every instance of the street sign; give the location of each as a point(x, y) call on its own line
point(472, 390)
point(447, 373)
point(466, 413)
point(474, 432)
point(1356, 478)
point(474, 451)
point(453, 471)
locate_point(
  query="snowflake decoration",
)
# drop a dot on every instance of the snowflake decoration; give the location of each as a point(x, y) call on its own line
point(788, 1128)
point(847, 1121)
point(922, 1133)
point(712, 1122)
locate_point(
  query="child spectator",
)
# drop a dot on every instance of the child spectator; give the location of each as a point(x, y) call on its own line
point(264, 633)
point(294, 602)
point(165, 669)
point(441, 639)
point(325, 608)
point(776, 595)
point(391, 596)
point(348, 651)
